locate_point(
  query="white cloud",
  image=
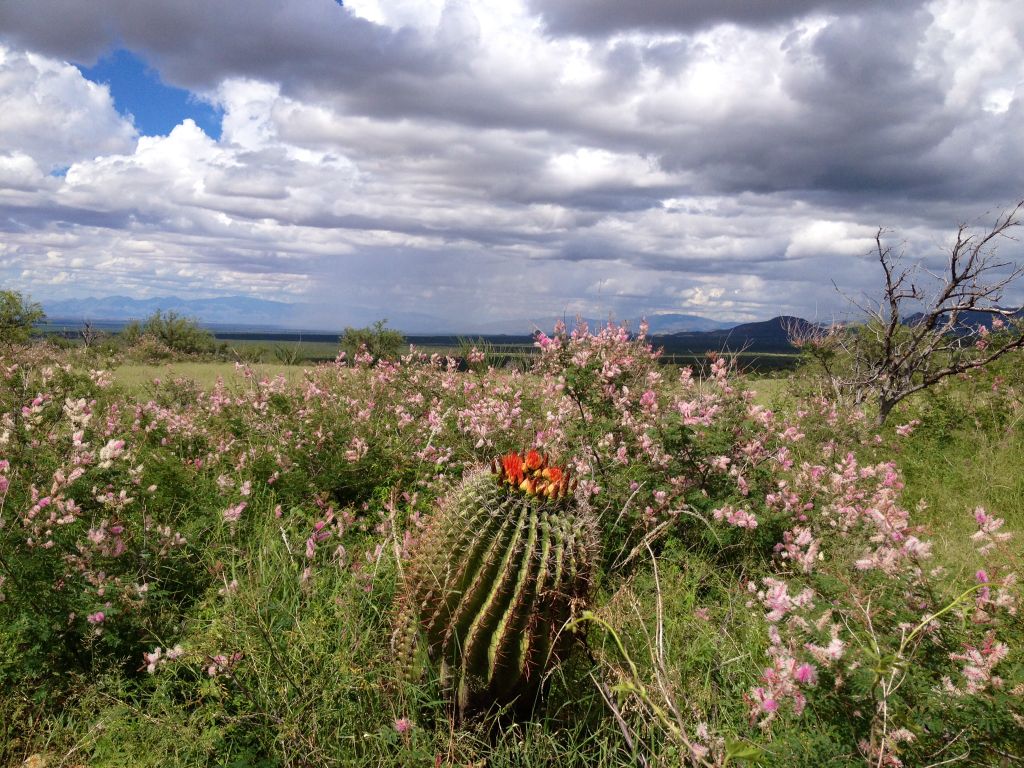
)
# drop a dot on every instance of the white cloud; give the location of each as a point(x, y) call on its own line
point(827, 238)
point(52, 114)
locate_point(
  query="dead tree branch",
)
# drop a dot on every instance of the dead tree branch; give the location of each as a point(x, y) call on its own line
point(912, 337)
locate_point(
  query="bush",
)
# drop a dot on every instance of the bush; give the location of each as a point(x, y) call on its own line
point(178, 334)
point(376, 341)
point(18, 317)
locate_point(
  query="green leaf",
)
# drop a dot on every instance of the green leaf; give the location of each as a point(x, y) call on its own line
point(735, 749)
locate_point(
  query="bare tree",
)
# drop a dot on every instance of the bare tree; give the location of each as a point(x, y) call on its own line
point(89, 333)
point(925, 326)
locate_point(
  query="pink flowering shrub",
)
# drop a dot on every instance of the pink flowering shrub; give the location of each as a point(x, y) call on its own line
point(89, 557)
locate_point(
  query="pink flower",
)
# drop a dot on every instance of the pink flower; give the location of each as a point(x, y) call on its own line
point(403, 725)
point(96, 618)
point(231, 514)
point(904, 430)
point(805, 674)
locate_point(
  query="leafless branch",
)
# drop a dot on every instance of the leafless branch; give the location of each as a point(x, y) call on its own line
point(896, 351)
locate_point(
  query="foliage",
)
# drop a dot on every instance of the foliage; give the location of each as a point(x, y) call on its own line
point(18, 316)
point(165, 334)
point(181, 566)
point(376, 341)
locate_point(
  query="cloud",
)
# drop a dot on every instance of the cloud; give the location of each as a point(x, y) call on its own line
point(468, 159)
point(40, 99)
point(606, 17)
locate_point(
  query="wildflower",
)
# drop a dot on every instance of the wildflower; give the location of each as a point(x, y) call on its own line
point(977, 668)
point(904, 430)
point(231, 514)
point(403, 725)
point(96, 618)
point(112, 450)
point(805, 674)
point(533, 460)
point(988, 534)
point(358, 448)
point(740, 518)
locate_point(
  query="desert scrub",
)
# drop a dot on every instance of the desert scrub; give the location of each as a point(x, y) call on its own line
point(774, 583)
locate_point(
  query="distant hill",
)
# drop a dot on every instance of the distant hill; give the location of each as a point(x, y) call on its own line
point(680, 323)
point(245, 312)
point(968, 320)
point(766, 336)
point(669, 322)
point(246, 315)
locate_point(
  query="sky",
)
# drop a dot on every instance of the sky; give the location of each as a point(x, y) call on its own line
point(485, 163)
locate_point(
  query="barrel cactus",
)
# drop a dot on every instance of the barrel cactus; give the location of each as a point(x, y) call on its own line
point(505, 561)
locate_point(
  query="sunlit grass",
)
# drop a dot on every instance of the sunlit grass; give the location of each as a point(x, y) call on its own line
point(137, 377)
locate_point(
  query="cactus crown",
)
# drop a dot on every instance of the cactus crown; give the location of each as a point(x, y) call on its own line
point(504, 562)
point(531, 473)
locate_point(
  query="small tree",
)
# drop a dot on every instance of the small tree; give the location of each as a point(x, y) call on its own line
point(18, 316)
point(176, 332)
point(90, 334)
point(377, 340)
point(925, 327)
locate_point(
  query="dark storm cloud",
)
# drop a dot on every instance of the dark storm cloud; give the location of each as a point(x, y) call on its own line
point(865, 120)
point(197, 43)
point(30, 218)
point(599, 18)
point(869, 119)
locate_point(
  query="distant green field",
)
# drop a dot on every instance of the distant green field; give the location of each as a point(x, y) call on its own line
point(268, 351)
point(137, 378)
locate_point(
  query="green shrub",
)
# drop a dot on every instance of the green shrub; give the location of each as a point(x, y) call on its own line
point(173, 332)
point(18, 317)
point(377, 341)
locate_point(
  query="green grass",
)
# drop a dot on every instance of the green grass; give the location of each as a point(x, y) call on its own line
point(768, 390)
point(268, 351)
point(955, 467)
point(137, 378)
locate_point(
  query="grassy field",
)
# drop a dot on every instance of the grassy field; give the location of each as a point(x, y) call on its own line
point(139, 378)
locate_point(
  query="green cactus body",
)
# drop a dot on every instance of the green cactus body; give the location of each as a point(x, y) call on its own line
point(491, 585)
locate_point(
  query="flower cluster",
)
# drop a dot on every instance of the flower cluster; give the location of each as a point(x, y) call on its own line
point(533, 474)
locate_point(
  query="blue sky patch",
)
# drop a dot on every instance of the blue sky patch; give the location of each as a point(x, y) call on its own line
point(156, 107)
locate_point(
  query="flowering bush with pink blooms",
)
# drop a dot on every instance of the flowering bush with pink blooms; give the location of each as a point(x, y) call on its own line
point(209, 573)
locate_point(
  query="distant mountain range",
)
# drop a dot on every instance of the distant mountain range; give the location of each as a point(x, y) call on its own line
point(246, 312)
point(969, 319)
point(236, 310)
point(676, 332)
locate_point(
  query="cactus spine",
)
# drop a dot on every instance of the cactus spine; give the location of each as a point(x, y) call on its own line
point(501, 567)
